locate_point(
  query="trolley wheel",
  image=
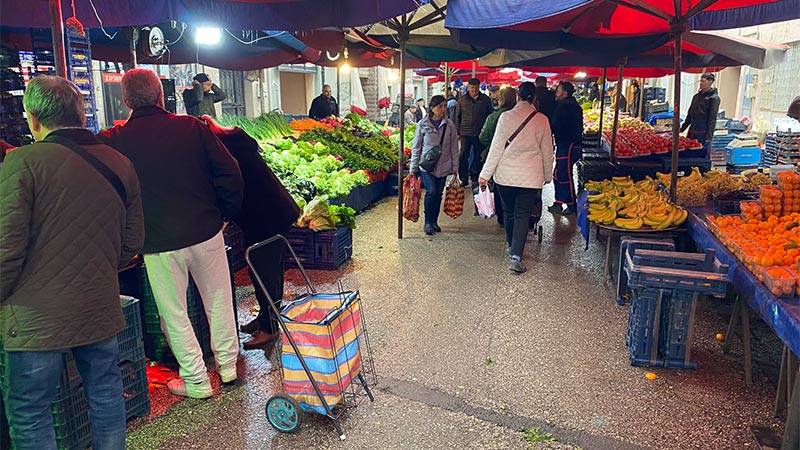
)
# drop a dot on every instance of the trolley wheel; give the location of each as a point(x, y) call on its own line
point(540, 233)
point(284, 414)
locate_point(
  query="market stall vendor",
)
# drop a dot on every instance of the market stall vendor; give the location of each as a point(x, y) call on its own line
point(701, 120)
point(324, 105)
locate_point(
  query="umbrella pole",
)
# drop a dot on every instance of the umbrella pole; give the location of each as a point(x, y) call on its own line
point(446, 75)
point(401, 155)
point(474, 67)
point(641, 100)
point(602, 107)
point(617, 94)
point(57, 31)
point(676, 118)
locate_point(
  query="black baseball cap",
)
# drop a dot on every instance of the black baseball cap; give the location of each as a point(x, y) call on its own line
point(494, 88)
point(474, 82)
point(201, 78)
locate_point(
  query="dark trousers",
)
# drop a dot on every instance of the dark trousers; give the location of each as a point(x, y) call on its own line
point(469, 162)
point(518, 204)
point(434, 189)
point(701, 135)
point(566, 156)
point(271, 264)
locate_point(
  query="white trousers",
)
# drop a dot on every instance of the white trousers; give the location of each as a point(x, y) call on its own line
point(168, 273)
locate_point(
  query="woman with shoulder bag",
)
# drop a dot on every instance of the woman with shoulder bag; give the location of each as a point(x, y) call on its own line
point(434, 156)
point(521, 162)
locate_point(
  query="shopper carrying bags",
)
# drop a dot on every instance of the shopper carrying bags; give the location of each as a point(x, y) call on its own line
point(521, 162)
point(436, 135)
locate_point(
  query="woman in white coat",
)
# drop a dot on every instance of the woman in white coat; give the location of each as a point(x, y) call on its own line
point(521, 161)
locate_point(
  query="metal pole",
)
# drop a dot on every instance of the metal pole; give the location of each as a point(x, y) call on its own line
point(57, 31)
point(641, 99)
point(617, 94)
point(133, 38)
point(676, 116)
point(401, 155)
point(446, 75)
point(474, 67)
point(602, 106)
point(338, 87)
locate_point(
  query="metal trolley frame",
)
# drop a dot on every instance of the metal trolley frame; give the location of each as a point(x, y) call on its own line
point(283, 412)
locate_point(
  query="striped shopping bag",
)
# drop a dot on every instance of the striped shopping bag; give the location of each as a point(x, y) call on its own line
point(326, 329)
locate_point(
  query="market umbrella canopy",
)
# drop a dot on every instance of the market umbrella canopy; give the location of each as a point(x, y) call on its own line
point(427, 37)
point(233, 14)
point(700, 50)
point(563, 24)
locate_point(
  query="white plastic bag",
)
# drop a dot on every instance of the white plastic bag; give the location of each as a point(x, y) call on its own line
point(484, 203)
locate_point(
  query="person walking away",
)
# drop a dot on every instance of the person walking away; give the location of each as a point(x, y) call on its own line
point(410, 116)
point(508, 99)
point(545, 101)
point(521, 162)
point(436, 129)
point(324, 105)
point(200, 99)
point(267, 210)
point(701, 120)
point(72, 217)
point(568, 133)
point(452, 102)
point(191, 185)
point(471, 113)
point(421, 111)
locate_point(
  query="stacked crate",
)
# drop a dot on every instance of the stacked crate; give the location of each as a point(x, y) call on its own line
point(664, 290)
point(324, 250)
point(70, 409)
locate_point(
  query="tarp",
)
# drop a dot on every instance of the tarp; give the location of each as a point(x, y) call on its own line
point(548, 25)
point(233, 14)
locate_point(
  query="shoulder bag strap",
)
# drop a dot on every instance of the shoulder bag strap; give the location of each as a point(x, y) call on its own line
point(105, 171)
point(444, 130)
point(520, 128)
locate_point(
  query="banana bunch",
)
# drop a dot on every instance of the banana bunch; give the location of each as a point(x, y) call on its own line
point(622, 182)
point(717, 183)
point(630, 205)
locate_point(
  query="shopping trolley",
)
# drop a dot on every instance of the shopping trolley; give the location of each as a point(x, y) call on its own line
point(326, 358)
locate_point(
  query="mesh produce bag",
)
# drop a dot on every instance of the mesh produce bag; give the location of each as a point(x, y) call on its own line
point(411, 196)
point(454, 199)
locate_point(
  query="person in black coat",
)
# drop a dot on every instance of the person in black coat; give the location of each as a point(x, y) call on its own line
point(545, 99)
point(267, 210)
point(324, 105)
point(567, 127)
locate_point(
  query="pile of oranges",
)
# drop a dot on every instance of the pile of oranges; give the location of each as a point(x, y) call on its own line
point(771, 200)
point(752, 210)
point(764, 247)
point(789, 183)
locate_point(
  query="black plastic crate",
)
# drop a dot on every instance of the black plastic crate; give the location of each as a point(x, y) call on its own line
point(234, 238)
point(135, 388)
point(71, 420)
point(302, 241)
point(130, 339)
point(333, 248)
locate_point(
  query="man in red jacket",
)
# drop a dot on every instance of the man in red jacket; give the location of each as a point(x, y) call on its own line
point(190, 186)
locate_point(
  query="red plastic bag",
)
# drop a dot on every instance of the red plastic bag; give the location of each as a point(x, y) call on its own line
point(411, 196)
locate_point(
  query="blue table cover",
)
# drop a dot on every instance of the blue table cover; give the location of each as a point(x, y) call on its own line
point(782, 315)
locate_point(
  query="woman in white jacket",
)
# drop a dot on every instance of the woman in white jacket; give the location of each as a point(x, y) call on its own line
point(521, 161)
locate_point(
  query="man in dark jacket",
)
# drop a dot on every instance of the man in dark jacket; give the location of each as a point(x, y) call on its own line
point(66, 232)
point(200, 99)
point(452, 102)
point(471, 112)
point(267, 210)
point(190, 184)
point(324, 105)
point(701, 120)
point(568, 132)
point(545, 100)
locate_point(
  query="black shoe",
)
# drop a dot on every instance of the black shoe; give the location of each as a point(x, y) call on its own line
point(436, 228)
point(428, 229)
point(516, 267)
point(567, 212)
point(532, 222)
point(555, 208)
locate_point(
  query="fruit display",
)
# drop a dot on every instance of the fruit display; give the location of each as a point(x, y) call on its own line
point(637, 138)
point(789, 183)
point(753, 180)
point(752, 210)
point(780, 281)
point(771, 200)
point(632, 206)
point(696, 189)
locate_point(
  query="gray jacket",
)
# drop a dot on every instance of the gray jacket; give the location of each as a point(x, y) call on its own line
point(426, 137)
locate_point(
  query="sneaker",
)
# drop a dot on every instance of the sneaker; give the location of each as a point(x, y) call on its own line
point(436, 228)
point(517, 267)
point(228, 374)
point(428, 229)
point(555, 208)
point(177, 386)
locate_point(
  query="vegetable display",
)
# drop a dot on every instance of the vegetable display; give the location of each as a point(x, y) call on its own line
point(267, 126)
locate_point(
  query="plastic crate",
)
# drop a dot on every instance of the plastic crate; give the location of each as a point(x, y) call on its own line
point(686, 164)
point(135, 388)
point(332, 248)
point(302, 241)
point(677, 327)
point(234, 238)
point(391, 184)
point(737, 169)
point(71, 420)
point(130, 339)
point(676, 270)
point(643, 326)
point(629, 244)
point(743, 156)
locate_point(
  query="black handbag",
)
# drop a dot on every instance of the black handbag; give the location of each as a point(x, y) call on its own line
point(431, 156)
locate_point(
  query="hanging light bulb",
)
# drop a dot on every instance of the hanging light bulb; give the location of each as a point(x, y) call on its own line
point(345, 68)
point(580, 75)
point(392, 75)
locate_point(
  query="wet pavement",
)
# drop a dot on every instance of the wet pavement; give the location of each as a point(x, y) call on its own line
point(469, 355)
